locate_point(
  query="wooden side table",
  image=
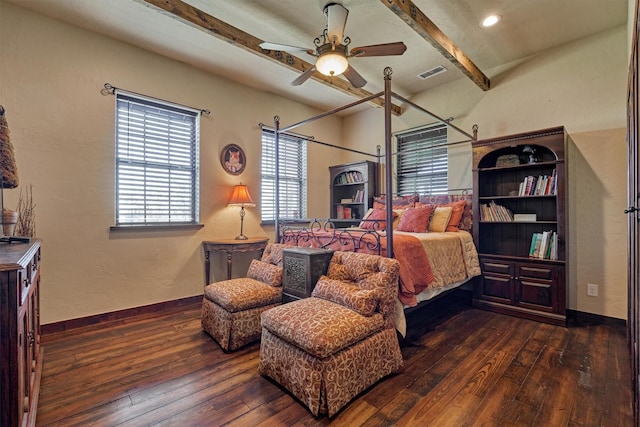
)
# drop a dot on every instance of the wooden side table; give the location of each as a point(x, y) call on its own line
point(229, 246)
point(302, 267)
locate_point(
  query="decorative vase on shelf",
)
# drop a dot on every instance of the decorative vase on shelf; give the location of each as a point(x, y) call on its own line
point(9, 220)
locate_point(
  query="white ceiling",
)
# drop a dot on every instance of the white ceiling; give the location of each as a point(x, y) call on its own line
point(527, 27)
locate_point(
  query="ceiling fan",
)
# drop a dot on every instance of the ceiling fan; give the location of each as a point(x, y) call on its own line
point(332, 49)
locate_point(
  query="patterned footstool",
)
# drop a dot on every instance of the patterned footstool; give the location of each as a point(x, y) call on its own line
point(231, 309)
point(330, 347)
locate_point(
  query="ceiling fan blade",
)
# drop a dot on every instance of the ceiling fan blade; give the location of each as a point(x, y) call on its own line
point(282, 47)
point(304, 76)
point(336, 21)
point(384, 49)
point(354, 77)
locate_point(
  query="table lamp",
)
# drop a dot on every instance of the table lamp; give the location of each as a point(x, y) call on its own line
point(241, 197)
point(8, 179)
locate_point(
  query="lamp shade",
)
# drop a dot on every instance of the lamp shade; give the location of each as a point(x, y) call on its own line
point(332, 64)
point(241, 197)
point(8, 166)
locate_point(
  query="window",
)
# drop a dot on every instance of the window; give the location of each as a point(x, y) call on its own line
point(292, 163)
point(422, 161)
point(156, 162)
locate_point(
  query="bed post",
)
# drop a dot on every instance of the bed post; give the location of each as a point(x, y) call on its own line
point(387, 156)
point(276, 134)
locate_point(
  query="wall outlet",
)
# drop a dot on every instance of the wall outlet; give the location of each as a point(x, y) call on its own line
point(592, 290)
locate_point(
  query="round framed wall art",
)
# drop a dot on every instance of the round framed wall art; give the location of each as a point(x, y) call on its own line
point(233, 159)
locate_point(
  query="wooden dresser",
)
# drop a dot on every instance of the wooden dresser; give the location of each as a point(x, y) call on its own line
point(20, 351)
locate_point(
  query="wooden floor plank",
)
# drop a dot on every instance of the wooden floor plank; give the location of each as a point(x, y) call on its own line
point(618, 370)
point(471, 397)
point(468, 362)
point(463, 366)
point(500, 397)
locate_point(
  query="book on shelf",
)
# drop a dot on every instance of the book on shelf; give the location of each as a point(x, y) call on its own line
point(538, 243)
point(541, 185)
point(495, 212)
point(350, 177)
point(525, 217)
point(358, 197)
point(532, 247)
point(544, 245)
point(339, 212)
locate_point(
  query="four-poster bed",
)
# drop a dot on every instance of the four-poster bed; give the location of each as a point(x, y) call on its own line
point(431, 262)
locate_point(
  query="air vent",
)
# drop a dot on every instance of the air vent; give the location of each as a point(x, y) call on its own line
point(432, 72)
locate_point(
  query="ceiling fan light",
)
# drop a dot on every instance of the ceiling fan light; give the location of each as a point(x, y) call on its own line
point(332, 64)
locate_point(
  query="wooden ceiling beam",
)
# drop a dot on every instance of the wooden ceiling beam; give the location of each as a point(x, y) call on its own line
point(416, 19)
point(190, 15)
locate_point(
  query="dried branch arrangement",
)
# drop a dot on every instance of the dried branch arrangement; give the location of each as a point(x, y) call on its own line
point(26, 225)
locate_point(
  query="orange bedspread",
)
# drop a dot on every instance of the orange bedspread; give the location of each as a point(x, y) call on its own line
point(415, 269)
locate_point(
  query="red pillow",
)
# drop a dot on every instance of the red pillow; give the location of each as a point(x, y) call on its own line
point(381, 216)
point(415, 220)
point(456, 214)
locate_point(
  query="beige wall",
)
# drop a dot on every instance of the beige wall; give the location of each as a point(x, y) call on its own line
point(63, 132)
point(581, 85)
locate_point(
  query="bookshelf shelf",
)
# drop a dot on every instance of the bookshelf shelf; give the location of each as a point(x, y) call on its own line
point(513, 282)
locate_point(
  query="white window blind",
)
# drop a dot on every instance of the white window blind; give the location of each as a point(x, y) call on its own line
point(292, 163)
point(422, 161)
point(156, 162)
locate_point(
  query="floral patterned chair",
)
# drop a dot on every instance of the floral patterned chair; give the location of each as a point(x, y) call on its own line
point(328, 348)
point(231, 309)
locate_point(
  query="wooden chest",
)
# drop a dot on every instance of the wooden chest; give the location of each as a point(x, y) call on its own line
point(302, 267)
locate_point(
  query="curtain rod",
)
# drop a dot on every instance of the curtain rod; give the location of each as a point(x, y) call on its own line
point(109, 89)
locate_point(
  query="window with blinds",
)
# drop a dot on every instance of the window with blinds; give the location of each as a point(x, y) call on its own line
point(156, 162)
point(422, 161)
point(292, 164)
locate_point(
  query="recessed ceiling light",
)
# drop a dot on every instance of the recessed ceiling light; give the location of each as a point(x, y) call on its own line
point(490, 20)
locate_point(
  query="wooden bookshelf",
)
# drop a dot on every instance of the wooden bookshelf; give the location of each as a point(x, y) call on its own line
point(352, 188)
point(513, 282)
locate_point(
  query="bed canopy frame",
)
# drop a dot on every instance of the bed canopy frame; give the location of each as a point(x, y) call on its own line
point(387, 96)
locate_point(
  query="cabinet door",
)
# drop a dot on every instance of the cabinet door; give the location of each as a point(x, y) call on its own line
point(24, 366)
point(497, 281)
point(535, 286)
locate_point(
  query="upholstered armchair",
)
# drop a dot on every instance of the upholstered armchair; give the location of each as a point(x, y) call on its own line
point(328, 348)
point(231, 308)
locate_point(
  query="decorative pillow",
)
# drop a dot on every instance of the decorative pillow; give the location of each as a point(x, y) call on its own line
point(415, 220)
point(456, 214)
point(273, 253)
point(381, 216)
point(265, 272)
point(396, 220)
point(440, 219)
point(398, 202)
point(466, 222)
point(366, 215)
point(363, 301)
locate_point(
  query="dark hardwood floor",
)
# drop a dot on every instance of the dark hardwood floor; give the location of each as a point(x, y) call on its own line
point(463, 367)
